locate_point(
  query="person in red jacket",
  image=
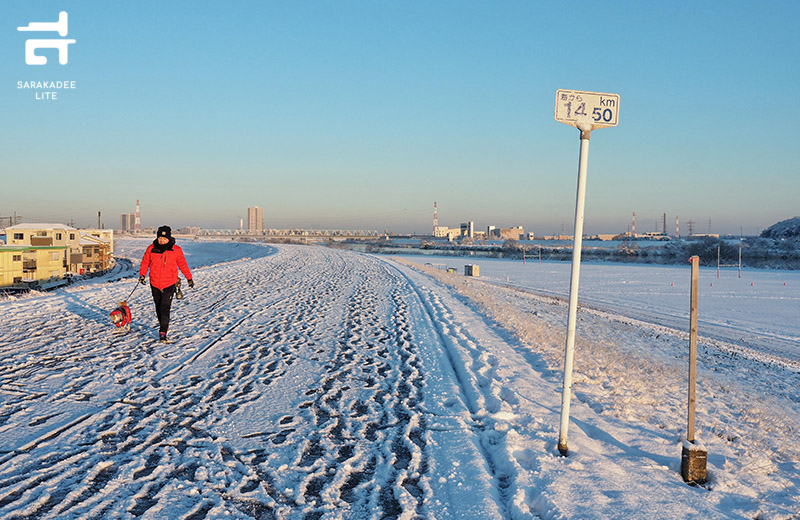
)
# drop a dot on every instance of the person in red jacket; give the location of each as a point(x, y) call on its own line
point(163, 258)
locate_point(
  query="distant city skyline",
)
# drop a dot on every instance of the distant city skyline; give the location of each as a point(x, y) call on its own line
point(356, 115)
point(254, 215)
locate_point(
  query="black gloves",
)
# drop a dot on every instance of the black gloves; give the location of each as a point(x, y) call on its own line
point(142, 278)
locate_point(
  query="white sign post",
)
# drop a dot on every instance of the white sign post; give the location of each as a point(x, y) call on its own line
point(586, 111)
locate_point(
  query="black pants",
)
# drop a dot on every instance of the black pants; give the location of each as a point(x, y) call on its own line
point(163, 301)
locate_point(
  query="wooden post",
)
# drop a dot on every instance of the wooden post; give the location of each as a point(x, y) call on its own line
point(695, 260)
point(693, 454)
point(740, 260)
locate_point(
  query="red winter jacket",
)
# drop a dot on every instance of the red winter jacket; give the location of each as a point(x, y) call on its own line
point(164, 266)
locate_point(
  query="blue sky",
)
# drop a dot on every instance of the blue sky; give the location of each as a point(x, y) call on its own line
point(359, 115)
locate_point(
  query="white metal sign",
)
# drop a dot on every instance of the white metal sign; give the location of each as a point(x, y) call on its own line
point(586, 110)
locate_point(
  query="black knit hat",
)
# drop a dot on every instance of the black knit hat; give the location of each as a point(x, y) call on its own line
point(164, 231)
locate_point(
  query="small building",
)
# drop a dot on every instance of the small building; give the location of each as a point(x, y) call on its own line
point(468, 229)
point(655, 235)
point(472, 270)
point(512, 233)
point(106, 235)
point(96, 253)
point(86, 250)
point(47, 235)
point(446, 232)
point(42, 235)
point(31, 267)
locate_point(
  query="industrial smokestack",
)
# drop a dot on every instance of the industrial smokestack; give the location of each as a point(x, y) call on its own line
point(435, 218)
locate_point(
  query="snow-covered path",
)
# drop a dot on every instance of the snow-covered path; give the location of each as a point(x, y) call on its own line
point(317, 383)
point(296, 389)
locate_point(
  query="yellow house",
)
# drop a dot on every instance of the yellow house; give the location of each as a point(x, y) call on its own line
point(49, 235)
point(32, 267)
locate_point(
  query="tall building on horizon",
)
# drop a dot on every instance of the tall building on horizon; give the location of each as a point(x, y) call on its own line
point(127, 222)
point(137, 225)
point(255, 220)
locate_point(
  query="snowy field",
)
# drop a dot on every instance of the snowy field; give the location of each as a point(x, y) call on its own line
point(315, 383)
point(759, 311)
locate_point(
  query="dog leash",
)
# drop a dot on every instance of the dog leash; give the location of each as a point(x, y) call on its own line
point(131, 294)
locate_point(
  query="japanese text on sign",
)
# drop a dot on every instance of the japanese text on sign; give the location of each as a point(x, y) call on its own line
point(586, 110)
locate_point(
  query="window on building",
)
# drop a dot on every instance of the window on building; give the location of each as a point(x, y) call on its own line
point(58, 236)
point(41, 234)
point(54, 255)
point(17, 279)
point(19, 236)
point(72, 236)
point(16, 258)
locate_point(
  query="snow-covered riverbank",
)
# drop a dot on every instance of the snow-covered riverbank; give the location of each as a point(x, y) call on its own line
point(317, 383)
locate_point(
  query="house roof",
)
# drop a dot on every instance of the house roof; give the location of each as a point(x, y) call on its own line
point(88, 239)
point(93, 241)
point(40, 227)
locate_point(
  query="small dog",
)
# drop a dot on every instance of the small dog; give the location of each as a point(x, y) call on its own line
point(121, 317)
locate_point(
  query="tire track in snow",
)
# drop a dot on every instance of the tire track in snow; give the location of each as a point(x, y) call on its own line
point(483, 396)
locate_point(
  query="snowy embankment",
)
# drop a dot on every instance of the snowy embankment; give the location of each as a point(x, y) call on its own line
point(315, 383)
